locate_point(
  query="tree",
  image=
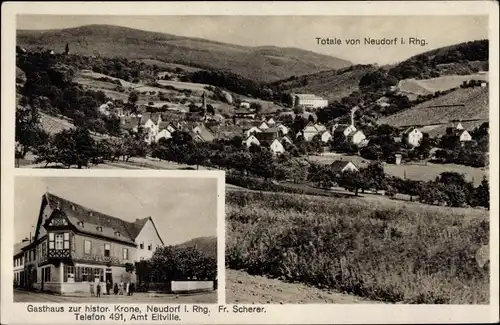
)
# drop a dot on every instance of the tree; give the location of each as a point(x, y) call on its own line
point(263, 164)
point(133, 97)
point(257, 107)
point(74, 147)
point(28, 132)
point(482, 194)
point(374, 176)
point(352, 181)
point(210, 109)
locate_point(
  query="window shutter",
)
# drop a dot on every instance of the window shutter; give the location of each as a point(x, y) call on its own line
point(65, 273)
point(77, 274)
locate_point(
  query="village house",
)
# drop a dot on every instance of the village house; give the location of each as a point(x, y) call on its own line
point(308, 101)
point(19, 275)
point(357, 137)
point(251, 140)
point(348, 132)
point(252, 130)
point(74, 245)
point(412, 136)
point(325, 136)
point(309, 131)
point(283, 129)
point(270, 139)
point(271, 122)
point(340, 166)
point(245, 105)
point(462, 135)
point(204, 133)
point(263, 126)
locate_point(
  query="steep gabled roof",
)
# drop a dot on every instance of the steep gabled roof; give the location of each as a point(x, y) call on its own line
point(87, 220)
point(338, 165)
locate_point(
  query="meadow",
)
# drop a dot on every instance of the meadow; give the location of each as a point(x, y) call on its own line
point(415, 171)
point(373, 249)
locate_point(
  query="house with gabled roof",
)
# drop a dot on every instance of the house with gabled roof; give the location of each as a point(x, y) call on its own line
point(412, 136)
point(75, 245)
point(271, 141)
point(340, 166)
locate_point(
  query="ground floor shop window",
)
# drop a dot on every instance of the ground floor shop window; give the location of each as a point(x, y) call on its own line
point(86, 274)
point(69, 273)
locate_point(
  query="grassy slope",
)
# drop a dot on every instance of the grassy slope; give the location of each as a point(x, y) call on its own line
point(332, 85)
point(257, 63)
point(405, 253)
point(476, 101)
point(429, 86)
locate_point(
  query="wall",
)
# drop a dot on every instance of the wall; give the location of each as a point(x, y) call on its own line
point(147, 235)
point(183, 286)
point(97, 249)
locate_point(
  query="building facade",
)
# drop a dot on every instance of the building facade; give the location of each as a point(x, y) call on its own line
point(413, 137)
point(309, 101)
point(74, 245)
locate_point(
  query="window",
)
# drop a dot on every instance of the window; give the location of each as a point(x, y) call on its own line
point(59, 241)
point(106, 250)
point(44, 250)
point(150, 246)
point(99, 228)
point(141, 245)
point(51, 240)
point(88, 247)
point(125, 253)
point(73, 243)
point(66, 240)
point(69, 273)
point(85, 274)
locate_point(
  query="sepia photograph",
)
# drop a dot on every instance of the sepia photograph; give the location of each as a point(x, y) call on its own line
point(356, 161)
point(355, 147)
point(115, 240)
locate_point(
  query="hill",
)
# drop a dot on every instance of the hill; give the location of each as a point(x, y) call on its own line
point(463, 58)
point(263, 64)
point(332, 85)
point(208, 245)
point(460, 104)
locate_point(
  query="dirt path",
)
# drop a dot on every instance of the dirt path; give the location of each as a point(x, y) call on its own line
point(242, 287)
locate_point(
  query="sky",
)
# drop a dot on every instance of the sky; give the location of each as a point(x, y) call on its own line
point(181, 208)
point(296, 31)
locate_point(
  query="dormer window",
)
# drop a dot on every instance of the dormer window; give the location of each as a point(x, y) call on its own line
point(117, 233)
point(80, 223)
point(73, 207)
point(99, 228)
point(91, 214)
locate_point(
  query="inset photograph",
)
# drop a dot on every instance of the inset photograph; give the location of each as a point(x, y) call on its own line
point(115, 239)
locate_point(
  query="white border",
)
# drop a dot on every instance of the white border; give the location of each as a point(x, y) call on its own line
point(291, 314)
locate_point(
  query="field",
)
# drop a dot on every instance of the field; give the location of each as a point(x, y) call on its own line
point(419, 172)
point(429, 86)
point(475, 103)
point(387, 252)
